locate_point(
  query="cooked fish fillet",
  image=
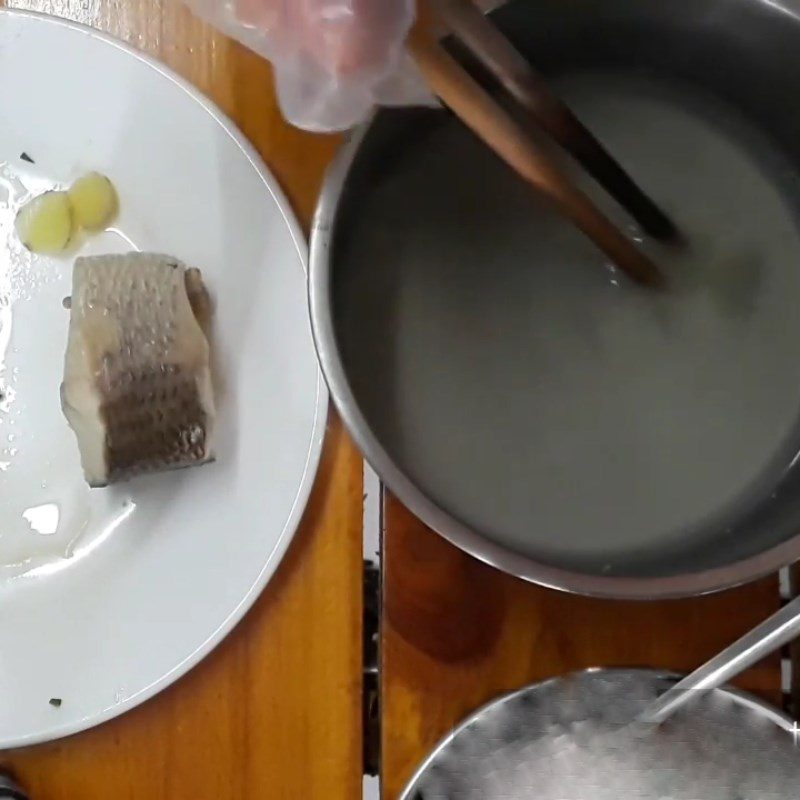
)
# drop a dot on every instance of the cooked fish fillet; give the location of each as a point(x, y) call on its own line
point(137, 380)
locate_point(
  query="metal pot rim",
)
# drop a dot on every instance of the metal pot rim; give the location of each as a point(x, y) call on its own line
point(468, 540)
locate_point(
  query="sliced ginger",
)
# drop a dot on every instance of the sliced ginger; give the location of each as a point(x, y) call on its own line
point(94, 201)
point(47, 223)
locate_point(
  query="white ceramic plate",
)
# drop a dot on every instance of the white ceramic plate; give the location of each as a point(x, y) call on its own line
point(109, 595)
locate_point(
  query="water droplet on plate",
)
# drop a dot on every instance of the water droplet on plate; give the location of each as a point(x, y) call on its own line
point(43, 519)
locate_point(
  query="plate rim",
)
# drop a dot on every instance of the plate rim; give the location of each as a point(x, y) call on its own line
point(316, 439)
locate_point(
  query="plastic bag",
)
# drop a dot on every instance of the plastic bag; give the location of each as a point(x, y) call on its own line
point(334, 59)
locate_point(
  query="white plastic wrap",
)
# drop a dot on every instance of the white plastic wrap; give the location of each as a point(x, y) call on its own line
point(334, 59)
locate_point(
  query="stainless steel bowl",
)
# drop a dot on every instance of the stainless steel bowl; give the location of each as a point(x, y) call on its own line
point(746, 52)
point(535, 731)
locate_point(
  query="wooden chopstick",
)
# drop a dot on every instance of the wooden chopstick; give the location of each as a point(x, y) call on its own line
point(476, 108)
point(488, 44)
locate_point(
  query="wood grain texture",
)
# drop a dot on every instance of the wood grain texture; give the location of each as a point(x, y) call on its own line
point(457, 633)
point(275, 711)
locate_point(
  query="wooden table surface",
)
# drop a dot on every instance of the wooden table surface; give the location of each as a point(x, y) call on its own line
point(457, 633)
point(275, 711)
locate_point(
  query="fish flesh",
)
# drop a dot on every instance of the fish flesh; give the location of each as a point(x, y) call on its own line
point(137, 387)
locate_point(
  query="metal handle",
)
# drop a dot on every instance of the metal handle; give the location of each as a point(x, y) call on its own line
point(764, 639)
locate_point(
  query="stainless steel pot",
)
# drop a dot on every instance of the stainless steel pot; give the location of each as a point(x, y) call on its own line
point(746, 52)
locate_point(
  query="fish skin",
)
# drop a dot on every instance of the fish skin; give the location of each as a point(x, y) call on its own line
point(137, 385)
